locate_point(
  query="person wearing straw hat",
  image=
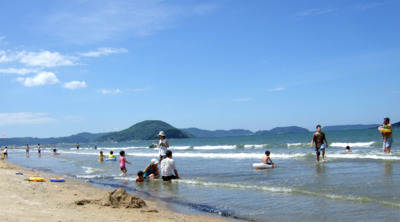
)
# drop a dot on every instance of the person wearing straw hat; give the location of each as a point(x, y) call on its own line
point(151, 170)
point(163, 145)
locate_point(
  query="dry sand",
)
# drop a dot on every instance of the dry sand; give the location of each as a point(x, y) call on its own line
point(74, 201)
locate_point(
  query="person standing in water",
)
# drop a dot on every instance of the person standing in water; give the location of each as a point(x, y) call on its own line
point(27, 150)
point(39, 151)
point(77, 146)
point(163, 145)
point(122, 162)
point(319, 139)
point(387, 137)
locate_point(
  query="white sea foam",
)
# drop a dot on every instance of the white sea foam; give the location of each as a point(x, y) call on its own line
point(357, 144)
point(257, 146)
point(218, 147)
point(363, 156)
point(181, 147)
point(294, 145)
point(228, 155)
point(237, 186)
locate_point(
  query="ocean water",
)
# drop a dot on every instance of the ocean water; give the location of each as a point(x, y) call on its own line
point(218, 177)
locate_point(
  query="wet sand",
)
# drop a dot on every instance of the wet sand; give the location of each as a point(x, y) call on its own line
point(46, 201)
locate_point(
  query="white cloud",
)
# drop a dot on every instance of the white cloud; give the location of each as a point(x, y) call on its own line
point(43, 78)
point(246, 99)
point(280, 88)
point(103, 51)
point(22, 71)
point(2, 37)
point(45, 59)
point(110, 91)
point(4, 57)
point(23, 118)
point(75, 85)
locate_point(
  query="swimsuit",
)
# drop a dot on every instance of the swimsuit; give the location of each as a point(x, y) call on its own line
point(149, 172)
point(122, 163)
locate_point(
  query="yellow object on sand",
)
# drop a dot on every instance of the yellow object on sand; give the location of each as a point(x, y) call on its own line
point(383, 130)
point(36, 179)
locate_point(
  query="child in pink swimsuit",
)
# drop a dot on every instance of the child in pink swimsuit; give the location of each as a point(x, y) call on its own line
point(122, 162)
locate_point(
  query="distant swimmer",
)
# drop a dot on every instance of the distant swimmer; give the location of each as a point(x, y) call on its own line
point(39, 151)
point(77, 146)
point(319, 139)
point(111, 155)
point(27, 150)
point(347, 150)
point(101, 156)
point(267, 160)
point(387, 135)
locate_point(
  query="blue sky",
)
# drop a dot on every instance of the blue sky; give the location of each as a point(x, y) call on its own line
point(98, 66)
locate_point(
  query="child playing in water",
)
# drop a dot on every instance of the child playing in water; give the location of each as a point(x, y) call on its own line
point(140, 177)
point(122, 162)
point(111, 155)
point(101, 156)
point(347, 150)
point(267, 160)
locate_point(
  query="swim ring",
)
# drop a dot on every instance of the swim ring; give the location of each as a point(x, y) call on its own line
point(384, 130)
point(36, 179)
point(261, 166)
point(57, 180)
point(111, 159)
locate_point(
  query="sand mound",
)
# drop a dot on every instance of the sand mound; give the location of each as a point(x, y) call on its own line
point(116, 199)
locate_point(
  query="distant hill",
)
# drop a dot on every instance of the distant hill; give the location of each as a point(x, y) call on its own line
point(78, 138)
point(349, 127)
point(146, 130)
point(283, 130)
point(396, 124)
point(217, 133)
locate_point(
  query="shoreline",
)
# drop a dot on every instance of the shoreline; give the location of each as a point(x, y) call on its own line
point(47, 201)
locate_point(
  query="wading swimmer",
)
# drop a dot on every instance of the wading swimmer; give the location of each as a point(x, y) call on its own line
point(140, 177)
point(151, 170)
point(39, 151)
point(167, 165)
point(122, 162)
point(387, 135)
point(319, 139)
point(347, 150)
point(163, 145)
point(27, 150)
point(267, 160)
point(101, 156)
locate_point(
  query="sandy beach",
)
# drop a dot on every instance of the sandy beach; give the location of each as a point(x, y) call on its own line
point(70, 201)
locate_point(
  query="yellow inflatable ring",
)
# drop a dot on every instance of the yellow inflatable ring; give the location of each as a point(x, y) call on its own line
point(383, 130)
point(36, 179)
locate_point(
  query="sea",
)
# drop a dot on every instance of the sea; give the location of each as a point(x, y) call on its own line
point(217, 177)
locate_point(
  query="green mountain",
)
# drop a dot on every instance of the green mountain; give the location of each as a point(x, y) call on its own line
point(349, 127)
point(217, 133)
point(146, 130)
point(78, 138)
point(283, 130)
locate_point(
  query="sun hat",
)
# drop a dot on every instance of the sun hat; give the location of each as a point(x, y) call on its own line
point(153, 161)
point(161, 133)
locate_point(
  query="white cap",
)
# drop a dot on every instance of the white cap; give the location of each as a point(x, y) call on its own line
point(154, 161)
point(161, 133)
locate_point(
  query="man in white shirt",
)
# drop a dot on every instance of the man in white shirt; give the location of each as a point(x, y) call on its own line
point(167, 165)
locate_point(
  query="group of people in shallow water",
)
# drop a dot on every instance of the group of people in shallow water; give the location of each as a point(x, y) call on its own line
point(167, 164)
point(321, 143)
